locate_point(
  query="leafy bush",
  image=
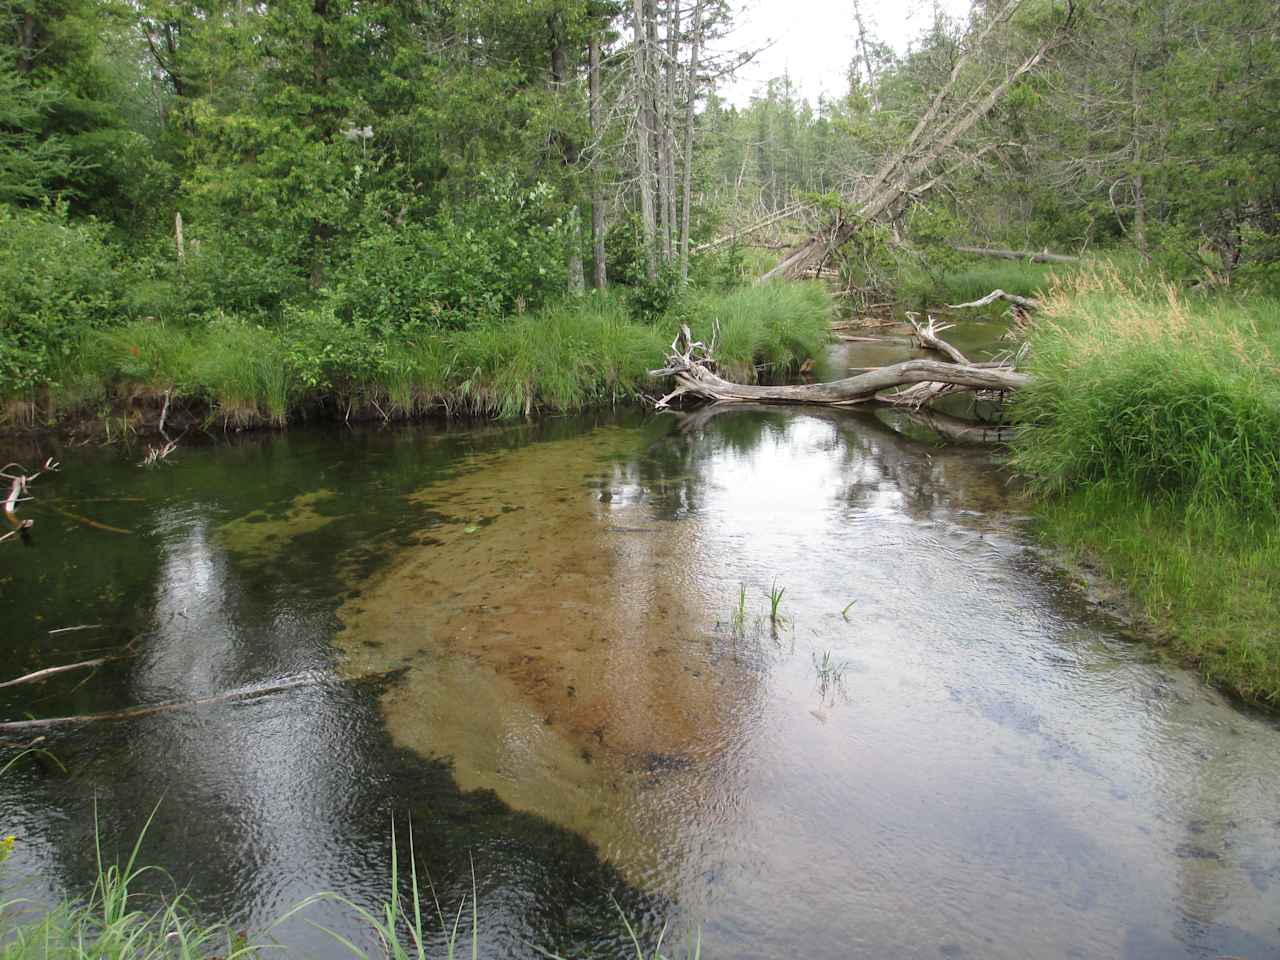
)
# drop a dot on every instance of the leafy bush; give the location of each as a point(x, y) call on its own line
point(57, 280)
point(501, 251)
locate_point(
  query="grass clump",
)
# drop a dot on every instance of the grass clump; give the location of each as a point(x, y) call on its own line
point(1147, 388)
point(568, 356)
point(920, 288)
point(1151, 431)
point(767, 331)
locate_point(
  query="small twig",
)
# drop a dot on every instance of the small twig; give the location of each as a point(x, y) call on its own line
point(39, 676)
point(156, 455)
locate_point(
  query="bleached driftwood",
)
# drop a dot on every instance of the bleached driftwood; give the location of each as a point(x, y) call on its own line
point(19, 483)
point(1026, 303)
point(691, 364)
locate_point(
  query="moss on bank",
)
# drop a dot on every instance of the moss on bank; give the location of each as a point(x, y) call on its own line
point(566, 357)
point(1151, 433)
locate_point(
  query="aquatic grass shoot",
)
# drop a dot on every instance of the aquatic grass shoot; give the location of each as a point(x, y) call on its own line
point(693, 945)
point(775, 600)
point(109, 924)
point(396, 916)
point(830, 674)
point(845, 612)
point(740, 614)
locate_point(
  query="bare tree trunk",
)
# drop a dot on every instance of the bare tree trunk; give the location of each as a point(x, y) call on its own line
point(866, 58)
point(1139, 200)
point(26, 43)
point(690, 364)
point(669, 128)
point(569, 156)
point(576, 281)
point(598, 278)
point(644, 138)
point(687, 186)
point(1027, 256)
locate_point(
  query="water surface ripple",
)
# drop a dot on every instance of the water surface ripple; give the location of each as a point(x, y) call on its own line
point(531, 645)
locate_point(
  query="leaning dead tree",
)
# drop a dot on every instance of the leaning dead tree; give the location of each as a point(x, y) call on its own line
point(968, 95)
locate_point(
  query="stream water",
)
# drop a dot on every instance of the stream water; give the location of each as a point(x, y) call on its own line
point(527, 644)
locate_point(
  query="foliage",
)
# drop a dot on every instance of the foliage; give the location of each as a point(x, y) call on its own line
point(29, 163)
point(567, 356)
point(1149, 437)
point(56, 281)
point(1207, 582)
point(502, 251)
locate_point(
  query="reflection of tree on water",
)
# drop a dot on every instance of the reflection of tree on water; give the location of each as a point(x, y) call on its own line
point(879, 461)
point(270, 800)
point(265, 802)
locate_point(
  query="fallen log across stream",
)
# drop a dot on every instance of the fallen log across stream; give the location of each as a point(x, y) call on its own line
point(691, 364)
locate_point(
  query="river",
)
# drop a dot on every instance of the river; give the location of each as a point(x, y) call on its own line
point(546, 652)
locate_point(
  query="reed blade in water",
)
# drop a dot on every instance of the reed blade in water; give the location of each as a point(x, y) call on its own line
point(775, 600)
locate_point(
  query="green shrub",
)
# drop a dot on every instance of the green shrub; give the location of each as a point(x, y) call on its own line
point(57, 280)
point(503, 251)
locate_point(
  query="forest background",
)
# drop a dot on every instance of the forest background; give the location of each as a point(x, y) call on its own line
point(264, 208)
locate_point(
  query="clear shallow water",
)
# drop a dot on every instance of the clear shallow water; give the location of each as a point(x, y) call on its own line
point(983, 768)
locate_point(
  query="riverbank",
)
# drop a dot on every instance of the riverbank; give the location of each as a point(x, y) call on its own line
point(1151, 435)
point(577, 354)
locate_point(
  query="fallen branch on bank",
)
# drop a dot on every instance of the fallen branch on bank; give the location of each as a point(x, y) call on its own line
point(1026, 303)
point(1023, 256)
point(39, 676)
point(790, 210)
point(939, 132)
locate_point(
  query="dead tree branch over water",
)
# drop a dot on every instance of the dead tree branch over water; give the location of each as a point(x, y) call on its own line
point(19, 483)
point(692, 365)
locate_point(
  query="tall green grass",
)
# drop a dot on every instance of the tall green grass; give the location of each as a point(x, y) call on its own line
point(967, 278)
point(570, 356)
point(1145, 387)
point(765, 332)
point(112, 923)
point(918, 288)
point(1151, 433)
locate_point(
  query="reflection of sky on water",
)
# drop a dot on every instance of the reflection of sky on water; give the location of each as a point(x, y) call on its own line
point(997, 778)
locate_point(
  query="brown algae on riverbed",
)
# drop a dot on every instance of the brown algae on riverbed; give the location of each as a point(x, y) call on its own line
point(558, 654)
point(260, 536)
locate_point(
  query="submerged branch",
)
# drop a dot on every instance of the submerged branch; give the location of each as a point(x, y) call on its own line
point(231, 696)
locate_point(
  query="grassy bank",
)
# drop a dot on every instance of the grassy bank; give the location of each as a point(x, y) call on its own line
point(1152, 437)
point(566, 357)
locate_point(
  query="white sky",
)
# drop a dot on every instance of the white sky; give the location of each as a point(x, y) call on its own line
point(813, 40)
